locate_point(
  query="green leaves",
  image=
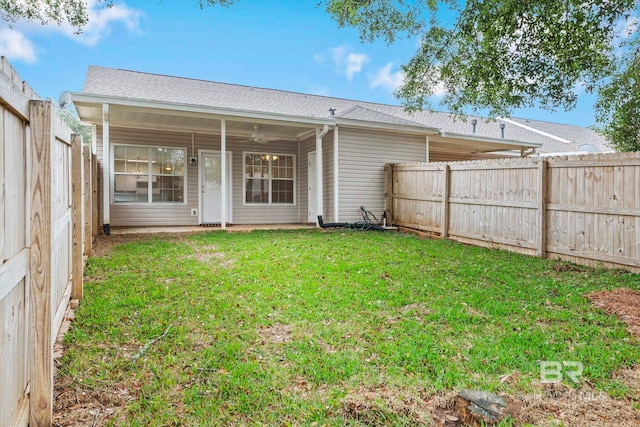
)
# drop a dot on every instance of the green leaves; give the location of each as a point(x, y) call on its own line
point(618, 106)
point(508, 54)
point(72, 11)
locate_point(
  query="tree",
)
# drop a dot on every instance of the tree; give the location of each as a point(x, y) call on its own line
point(618, 106)
point(507, 54)
point(71, 120)
point(75, 12)
point(72, 11)
point(495, 55)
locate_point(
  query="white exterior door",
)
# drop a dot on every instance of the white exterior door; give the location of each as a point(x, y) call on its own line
point(313, 211)
point(211, 187)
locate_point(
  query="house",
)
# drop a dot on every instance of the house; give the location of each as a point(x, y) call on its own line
point(179, 151)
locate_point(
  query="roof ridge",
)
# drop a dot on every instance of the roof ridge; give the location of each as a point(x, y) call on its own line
point(305, 94)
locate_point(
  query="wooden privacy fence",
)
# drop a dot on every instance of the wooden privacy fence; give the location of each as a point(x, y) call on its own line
point(42, 239)
point(584, 209)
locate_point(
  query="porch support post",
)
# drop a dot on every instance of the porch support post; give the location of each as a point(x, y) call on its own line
point(106, 181)
point(94, 139)
point(427, 149)
point(223, 172)
point(319, 187)
point(336, 176)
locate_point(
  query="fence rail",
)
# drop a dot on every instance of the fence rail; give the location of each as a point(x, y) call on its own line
point(41, 245)
point(584, 209)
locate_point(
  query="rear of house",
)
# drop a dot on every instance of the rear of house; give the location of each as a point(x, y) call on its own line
point(176, 151)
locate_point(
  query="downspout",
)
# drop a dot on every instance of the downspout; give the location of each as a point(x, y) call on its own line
point(336, 176)
point(319, 184)
point(106, 174)
point(223, 174)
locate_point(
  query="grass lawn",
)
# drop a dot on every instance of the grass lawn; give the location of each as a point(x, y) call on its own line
point(334, 328)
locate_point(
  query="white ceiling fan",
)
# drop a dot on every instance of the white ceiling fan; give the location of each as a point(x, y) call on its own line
point(260, 139)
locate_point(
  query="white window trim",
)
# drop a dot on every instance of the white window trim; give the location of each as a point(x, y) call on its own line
point(244, 179)
point(148, 202)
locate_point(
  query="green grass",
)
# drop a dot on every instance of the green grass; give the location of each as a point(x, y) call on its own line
point(286, 328)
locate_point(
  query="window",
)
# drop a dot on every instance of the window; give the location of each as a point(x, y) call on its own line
point(269, 179)
point(148, 174)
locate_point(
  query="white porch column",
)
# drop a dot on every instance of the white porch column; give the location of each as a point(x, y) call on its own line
point(336, 176)
point(106, 166)
point(94, 139)
point(427, 148)
point(223, 171)
point(319, 184)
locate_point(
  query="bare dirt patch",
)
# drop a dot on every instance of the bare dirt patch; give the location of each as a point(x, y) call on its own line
point(276, 333)
point(381, 405)
point(556, 403)
point(551, 405)
point(623, 302)
point(82, 405)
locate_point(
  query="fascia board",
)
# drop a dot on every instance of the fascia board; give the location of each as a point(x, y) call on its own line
point(88, 99)
point(491, 140)
point(387, 126)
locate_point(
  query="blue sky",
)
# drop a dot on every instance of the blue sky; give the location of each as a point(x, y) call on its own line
point(279, 44)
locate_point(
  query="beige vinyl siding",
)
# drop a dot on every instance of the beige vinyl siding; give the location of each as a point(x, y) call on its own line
point(362, 156)
point(180, 214)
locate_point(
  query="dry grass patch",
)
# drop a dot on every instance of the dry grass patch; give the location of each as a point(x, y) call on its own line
point(623, 302)
point(276, 334)
point(382, 405)
point(559, 405)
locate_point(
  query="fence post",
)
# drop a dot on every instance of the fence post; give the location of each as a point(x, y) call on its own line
point(542, 209)
point(445, 202)
point(41, 343)
point(76, 216)
point(388, 191)
point(86, 201)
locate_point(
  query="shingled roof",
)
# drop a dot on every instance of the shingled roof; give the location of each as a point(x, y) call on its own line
point(179, 90)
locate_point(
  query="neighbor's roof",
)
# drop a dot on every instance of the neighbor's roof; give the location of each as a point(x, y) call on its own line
point(577, 135)
point(154, 87)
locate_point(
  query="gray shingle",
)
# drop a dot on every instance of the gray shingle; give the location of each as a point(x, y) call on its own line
point(146, 86)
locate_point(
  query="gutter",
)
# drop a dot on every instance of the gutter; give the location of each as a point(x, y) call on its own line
point(99, 100)
point(468, 137)
point(421, 130)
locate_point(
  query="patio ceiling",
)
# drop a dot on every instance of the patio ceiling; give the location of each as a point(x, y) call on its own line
point(184, 121)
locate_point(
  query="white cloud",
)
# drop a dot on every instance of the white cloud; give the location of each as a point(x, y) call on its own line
point(392, 81)
point(355, 61)
point(319, 58)
point(386, 79)
point(15, 46)
point(15, 43)
point(101, 19)
point(348, 63)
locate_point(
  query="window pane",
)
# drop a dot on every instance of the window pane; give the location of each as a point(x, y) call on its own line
point(282, 191)
point(131, 188)
point(168, 189)
point(119, 152)
point(257, 191)
point(119, 165)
